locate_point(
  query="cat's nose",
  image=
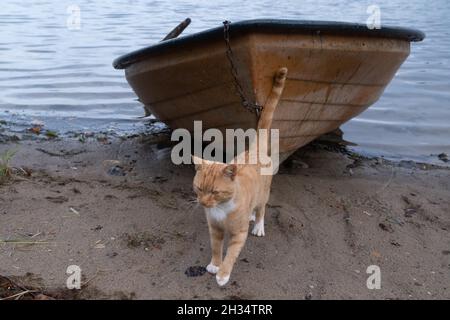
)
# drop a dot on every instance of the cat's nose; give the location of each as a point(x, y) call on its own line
point(206, 202)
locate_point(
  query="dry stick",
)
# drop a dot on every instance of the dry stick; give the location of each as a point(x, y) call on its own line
point(19, 295)
point(388, 182)
point(23, 242)
point(14, 283)
point(84, 284)
point(178, 30)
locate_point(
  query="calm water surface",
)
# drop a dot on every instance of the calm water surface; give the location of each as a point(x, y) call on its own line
point(64, 77)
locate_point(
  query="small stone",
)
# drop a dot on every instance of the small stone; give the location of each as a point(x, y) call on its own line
point(88, 134)
point(395, 243)
point(97, 228)
point(116, 171)
point(385, 227)
point(443, 157)
point(409, 212)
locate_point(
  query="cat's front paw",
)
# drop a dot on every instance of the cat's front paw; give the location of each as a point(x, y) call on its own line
point(222, 280)
point(258, 229)
point(212, 268)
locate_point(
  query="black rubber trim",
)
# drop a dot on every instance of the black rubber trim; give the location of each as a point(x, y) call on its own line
point(271, 26)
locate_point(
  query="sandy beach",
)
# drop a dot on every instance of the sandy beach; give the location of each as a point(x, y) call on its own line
point(120, 210)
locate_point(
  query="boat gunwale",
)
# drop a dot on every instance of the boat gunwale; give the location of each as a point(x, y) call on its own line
point(271, 26)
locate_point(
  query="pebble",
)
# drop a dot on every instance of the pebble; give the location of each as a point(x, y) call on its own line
point(385, 227)
point(409, 212)
point(443, 157)
point(116, 171)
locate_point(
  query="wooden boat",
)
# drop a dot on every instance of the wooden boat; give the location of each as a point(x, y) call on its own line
point(336, 71)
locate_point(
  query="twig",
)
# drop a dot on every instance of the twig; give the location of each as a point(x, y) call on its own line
point(97, 273)
point(24, 242)
point(177, 30)
point(62, 154)
point(19, 295)
point(14, 283)
point(84, 284)
point(388, 182)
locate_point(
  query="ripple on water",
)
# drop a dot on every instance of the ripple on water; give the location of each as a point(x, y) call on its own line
point(51, 72)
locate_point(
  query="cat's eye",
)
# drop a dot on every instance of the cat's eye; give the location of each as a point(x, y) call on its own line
point(198, 189)
point(215, 192)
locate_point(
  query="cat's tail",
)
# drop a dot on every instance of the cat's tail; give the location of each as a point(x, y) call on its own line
point(265, 120)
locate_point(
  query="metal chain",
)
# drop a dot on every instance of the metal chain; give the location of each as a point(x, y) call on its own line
point(250, 106)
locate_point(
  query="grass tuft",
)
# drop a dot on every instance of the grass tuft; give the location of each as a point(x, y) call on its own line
point(5, 168)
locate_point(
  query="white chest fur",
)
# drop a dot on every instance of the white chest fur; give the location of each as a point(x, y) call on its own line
point(221, 211)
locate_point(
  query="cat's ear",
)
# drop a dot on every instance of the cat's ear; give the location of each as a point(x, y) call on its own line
point(230, 171)
point(197, 162)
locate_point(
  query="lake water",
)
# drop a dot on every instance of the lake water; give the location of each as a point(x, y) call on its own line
point(63, 76)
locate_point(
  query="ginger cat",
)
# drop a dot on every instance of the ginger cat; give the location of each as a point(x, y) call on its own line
point(230, 193)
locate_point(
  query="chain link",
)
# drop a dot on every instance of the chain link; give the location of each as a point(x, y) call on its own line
point(250, 106)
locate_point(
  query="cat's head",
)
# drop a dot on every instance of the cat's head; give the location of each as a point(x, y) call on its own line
point(214, 182)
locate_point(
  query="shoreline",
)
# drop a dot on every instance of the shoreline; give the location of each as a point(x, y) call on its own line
point(36, 130)
point(119, 209)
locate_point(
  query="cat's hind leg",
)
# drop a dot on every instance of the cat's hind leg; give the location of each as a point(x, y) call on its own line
point(217, 236)
point(258, 228)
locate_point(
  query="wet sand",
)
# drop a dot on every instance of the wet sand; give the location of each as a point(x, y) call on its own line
point(122, 212)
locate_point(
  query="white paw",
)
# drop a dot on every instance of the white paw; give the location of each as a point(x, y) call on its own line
point(258, 229)
point(221, 281)
point(212, 268)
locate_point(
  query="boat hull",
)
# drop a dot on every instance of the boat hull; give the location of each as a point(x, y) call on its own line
point(331, 79)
